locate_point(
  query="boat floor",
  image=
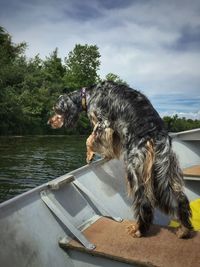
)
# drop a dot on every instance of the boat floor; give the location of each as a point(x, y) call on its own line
point(160, 247)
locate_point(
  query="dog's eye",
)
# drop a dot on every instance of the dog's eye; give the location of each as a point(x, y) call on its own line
point(58, 111)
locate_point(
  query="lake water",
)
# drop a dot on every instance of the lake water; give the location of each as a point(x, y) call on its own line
point(26, 162)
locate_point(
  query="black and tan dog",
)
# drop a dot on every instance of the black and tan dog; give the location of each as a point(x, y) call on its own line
point(153, 173)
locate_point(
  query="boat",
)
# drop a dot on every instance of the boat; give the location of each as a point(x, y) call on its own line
point(80, 219)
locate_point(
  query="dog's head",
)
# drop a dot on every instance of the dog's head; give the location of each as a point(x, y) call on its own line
point(66, 113)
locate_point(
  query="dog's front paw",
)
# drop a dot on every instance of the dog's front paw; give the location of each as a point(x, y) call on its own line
point(133, 230)
point(90, 157)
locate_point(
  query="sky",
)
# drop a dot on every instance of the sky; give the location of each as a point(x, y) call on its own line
point(153, 45)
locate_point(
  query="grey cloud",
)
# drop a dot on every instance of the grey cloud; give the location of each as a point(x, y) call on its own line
point(115, 4)
point(189, 39)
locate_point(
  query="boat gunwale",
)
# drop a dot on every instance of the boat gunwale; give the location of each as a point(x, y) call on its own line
point(172, 134)
point(47, 185)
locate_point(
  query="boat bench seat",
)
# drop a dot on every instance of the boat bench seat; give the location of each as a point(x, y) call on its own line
point(193, 171)
point(160, 247)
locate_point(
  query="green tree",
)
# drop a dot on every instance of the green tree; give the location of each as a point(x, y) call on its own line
point(12, 71)
point(9, 51)
point(176, 124)
point(82, 65)
point(115, 78)
point(42, 85)
point(54, 71)
point(28, 88)
point(11, 61)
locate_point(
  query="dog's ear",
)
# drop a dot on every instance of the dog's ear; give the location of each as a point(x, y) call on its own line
point(109, 135)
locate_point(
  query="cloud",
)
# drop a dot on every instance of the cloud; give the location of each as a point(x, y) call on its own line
point(154, 46)
point(189, 39)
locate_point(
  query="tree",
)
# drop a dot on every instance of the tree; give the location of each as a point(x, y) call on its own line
point(54, 70)
point(115, 78)
point(28, 88)
point(82, 65)
point(12, 71)
point(8, 50)
point(176, 124)
point(11, 61)
point(42, 85)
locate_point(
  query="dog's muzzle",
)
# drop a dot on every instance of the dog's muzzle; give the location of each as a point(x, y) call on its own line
point(56, 121)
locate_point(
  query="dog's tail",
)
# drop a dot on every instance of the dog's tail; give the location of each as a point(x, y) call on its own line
point(169, 183)
point(168, 175)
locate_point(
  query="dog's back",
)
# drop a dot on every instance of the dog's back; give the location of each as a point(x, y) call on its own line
point(128, 110)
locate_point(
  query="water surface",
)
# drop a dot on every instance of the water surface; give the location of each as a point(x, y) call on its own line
point(26, 162)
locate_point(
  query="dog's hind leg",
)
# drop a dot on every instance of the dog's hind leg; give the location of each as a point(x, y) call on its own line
point(142, 202)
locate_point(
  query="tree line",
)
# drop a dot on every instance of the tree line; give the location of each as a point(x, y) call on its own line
point(30, 86)
point(176, 124)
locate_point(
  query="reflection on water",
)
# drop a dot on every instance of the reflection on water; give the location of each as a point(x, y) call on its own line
point(26, 162)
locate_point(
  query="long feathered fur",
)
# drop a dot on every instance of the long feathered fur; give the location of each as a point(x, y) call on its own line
point(153, 174)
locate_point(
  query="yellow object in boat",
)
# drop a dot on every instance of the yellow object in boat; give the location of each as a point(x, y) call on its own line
point(195, 220)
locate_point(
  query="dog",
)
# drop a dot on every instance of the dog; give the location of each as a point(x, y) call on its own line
point(152, 168)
